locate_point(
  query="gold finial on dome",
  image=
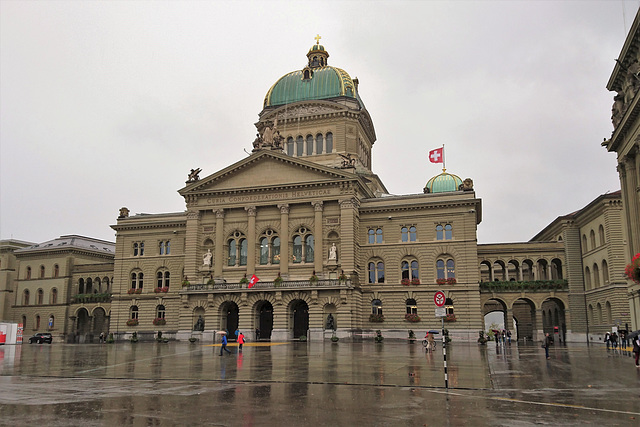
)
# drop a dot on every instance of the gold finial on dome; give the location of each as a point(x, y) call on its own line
point(317, 38)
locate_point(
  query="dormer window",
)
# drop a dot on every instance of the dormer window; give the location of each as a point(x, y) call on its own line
point(307, 73)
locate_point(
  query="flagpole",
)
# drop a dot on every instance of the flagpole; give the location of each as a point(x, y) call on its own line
point(443, 166)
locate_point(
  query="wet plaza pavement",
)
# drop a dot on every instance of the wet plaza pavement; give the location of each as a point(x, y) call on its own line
point(318, 383)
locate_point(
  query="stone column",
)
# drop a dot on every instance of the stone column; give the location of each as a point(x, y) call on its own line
point(631, 200)
point(192, 260)
point(219, 258)
point(251, 240)
point(508, 322)
point(538, 333)
point(492, 272)
point(348, 210)
point(320, 254)
point(284, 239)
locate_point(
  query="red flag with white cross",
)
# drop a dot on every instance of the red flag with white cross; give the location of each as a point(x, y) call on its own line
point(253, 281)
point(437, 155)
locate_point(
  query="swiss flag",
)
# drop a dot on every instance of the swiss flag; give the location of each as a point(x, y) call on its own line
point(253, 281)
point(436, 155)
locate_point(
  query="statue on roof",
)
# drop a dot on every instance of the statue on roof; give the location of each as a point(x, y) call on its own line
point(194, 175)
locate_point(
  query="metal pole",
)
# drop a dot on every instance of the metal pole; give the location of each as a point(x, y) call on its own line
point(444, 353)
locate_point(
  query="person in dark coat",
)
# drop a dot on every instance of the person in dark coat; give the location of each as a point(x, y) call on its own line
point(224, 345)
point(636, 349)
point(547, 344)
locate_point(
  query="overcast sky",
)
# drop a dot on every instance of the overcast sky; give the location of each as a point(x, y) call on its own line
point(110, 104)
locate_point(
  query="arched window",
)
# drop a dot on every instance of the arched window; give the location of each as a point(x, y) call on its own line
point(89, 286)
point(448, 232)
point(160, 312)
point(39, 297)
point(133, 312)
point(37, 322)
point(605, 273)
point(408, 234)
point(42, 271)
point(412, 307)
point(238, 248)
point(162, 279)
point(590, 315)
point(592, 238)
point(138, 248)
point(106, 282)
point(599, 313)
point(28, 273)
point(290, 146)
point(56, 271)
point(53, 298)
point(25, 297)
point(319, 143)
point(601, 235)
point(609, 318)
point(52, 321)
point(376, 307)
point(448, 305)
point(24, 322)
point(584, 244)
point(375, 235)
point(299, 146)
point(329, 142)
point(445, 268)
point(303, 246)
point(596, 276)
point(309, 145)
point(137, 280)
point(269, 248)
point(376, 272)
point(410, 269)
point(164, 247)
point(587, 278)
point(81, 286)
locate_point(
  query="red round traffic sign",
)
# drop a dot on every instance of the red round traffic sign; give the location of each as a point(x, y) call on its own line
point(439, 299)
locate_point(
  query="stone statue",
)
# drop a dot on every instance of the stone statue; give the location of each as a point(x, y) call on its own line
point(199, 326)
point(124, 213)
point(467, 184)
point(332, 252)
point(617, 110)
point(267, 135)
point(331, 324)
point(206, 258)
point(257, 143)
point(193, 175)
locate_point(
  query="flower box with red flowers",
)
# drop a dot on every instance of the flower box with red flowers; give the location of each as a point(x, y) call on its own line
point(157, 290)
point(130, 291)
point(415, 281)
point(451, 281)
point(449, 318)
point(159, 321)
point(138, 291)
point(411, 317)
point(405, 282)
point(378, 318)
point(132, 322)
point(632, 270)
point(165, 289)
point(441, 281)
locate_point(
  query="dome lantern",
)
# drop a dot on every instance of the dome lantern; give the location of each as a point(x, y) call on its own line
point(317, 55)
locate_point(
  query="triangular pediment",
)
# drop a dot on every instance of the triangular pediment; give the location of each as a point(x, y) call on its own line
point(267, 169)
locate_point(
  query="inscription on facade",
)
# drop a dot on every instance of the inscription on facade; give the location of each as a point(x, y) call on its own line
point(268, 197)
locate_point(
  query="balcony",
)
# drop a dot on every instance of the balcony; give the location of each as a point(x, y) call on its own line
point(525, 286)
point(90, 298)
point(285, 285)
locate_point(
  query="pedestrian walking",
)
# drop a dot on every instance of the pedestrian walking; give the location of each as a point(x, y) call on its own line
point(636, 349)
point(614, 340)
point(504, 337)
point(509, 336)
point(546, 345)
point(101, 338)
point(224, 345)
point(240, 341)
point(237, 333)
point(607, 337)
point(257, 334)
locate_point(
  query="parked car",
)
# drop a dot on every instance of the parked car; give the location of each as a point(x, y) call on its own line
point(41, 338)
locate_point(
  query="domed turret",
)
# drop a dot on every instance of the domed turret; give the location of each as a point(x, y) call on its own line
point(443, 183)
point(316, 81)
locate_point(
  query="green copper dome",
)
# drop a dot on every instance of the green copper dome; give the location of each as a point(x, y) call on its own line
point(324, 83)
point(443, 183)
point(315, 81)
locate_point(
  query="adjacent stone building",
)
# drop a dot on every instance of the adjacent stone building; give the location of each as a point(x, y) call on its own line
point(625, 142)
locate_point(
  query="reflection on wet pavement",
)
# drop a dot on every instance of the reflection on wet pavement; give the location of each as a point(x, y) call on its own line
point(345, 383)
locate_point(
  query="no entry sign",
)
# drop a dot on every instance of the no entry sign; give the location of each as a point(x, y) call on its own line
point(439, 299)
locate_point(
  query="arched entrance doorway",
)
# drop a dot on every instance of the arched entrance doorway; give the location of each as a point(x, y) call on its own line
point(83, 327)
point(553, 317)
point(265, 321)
point(494, 314)
point(300, 314)
point(230, 319)
point(100, 322)
point(524, 314)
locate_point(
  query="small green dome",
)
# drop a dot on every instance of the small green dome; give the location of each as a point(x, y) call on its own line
point(443, 183)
